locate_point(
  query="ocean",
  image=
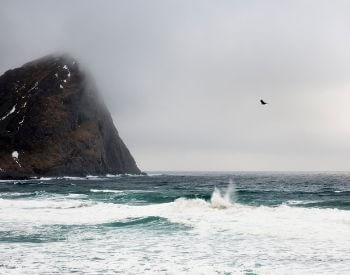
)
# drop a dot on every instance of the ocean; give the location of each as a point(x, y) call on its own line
point(177, 223)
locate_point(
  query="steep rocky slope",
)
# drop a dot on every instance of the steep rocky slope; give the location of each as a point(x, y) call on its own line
point(53, 123)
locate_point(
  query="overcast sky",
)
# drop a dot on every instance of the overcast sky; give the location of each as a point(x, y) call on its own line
point(183, 79)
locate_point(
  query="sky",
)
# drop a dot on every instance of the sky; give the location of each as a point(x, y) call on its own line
point(183, 79)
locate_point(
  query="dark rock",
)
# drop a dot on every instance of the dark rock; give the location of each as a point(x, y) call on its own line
point(53, 123)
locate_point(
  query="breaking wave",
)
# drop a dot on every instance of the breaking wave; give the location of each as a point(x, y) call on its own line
point(193, 229)
point(223, 199)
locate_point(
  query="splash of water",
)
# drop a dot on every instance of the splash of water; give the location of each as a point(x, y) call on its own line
point(223, 199)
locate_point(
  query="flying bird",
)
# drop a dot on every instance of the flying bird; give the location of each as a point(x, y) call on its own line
point(262, 102)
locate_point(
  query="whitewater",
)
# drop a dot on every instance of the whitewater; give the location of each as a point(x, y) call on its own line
point(177, 223)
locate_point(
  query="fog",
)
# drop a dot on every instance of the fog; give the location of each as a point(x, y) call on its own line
point(183, 79)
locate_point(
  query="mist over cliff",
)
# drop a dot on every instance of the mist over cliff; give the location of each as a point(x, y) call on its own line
point(53, 122)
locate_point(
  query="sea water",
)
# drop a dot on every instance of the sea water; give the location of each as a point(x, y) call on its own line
point(177, 223)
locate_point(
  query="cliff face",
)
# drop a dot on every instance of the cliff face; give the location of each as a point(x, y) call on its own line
point(53, 123)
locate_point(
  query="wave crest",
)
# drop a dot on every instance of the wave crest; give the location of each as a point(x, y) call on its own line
point(222, 200)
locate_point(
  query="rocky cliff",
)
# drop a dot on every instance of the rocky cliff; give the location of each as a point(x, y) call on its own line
point(53, 123)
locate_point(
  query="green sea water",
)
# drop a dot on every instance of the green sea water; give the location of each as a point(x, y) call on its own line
point(177, 223)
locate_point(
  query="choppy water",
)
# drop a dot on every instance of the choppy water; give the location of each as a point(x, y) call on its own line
point(234, 223)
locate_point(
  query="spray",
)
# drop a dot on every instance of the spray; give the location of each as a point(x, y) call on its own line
point(223, 199)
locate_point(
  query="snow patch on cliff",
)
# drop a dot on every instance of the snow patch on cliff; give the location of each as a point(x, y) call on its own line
point(15, 156)
point(34, 87)
point(66, 68)
point(9, 113)
point(21, 122)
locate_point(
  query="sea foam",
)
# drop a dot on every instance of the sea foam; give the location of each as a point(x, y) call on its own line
point(219, 235)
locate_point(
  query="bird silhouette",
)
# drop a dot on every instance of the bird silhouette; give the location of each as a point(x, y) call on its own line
point(262, 102)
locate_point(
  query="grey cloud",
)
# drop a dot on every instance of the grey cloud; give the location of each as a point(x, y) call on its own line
point(183, 78)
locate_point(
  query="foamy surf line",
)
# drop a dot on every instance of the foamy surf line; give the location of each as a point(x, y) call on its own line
point(221, 212)
point(185, 223)
point(27, 205)
point(105, 191)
